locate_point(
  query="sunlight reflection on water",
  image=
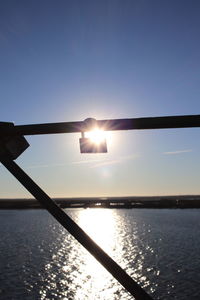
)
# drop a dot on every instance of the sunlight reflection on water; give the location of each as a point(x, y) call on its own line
point(158, 248)
point(100, 225)
point(83, 276)
point(101, 228)
point(108, 230)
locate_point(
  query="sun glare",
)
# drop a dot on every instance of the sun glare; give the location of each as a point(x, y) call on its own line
point(96, 136)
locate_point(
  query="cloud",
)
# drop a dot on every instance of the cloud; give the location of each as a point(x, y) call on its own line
point(115, 161)
point(52, 165)
point(177, 152)
point(84, 162)
point(106, 163)
point(95, 162)
point(45, 166)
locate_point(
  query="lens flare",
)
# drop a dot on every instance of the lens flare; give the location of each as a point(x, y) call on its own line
point(96, 136)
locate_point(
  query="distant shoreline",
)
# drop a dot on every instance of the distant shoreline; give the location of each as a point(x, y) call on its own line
point(187, 201)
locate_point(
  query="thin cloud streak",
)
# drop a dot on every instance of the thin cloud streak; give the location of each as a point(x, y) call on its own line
point(114, 162)
point(85, 162)
point(98, 162)
point(106, 163)
point(177, 152)
point(63, 164)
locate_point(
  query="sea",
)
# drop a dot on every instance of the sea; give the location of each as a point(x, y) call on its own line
point(159, 248)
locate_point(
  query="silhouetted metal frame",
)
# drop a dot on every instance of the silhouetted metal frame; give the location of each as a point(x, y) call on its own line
point(118, 124)
point(168, 122)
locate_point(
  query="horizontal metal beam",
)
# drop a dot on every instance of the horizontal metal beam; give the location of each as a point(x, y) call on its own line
point(186, 121)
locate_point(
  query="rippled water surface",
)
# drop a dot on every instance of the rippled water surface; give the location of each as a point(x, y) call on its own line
point(158, 248)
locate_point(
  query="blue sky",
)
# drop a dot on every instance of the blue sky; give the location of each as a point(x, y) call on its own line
point(69, 60)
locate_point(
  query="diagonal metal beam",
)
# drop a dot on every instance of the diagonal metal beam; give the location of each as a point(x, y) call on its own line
point(126, 281)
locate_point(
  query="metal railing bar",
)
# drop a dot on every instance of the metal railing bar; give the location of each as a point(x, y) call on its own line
point(186, 121)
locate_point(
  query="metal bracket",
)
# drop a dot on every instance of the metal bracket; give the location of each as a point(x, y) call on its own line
point(11, 146)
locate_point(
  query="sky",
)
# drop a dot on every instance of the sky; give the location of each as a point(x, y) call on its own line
point(69, 60)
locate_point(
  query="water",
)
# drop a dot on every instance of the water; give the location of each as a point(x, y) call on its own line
point(158, 248)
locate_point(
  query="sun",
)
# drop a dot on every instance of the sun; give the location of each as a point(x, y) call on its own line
point(96, 136)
